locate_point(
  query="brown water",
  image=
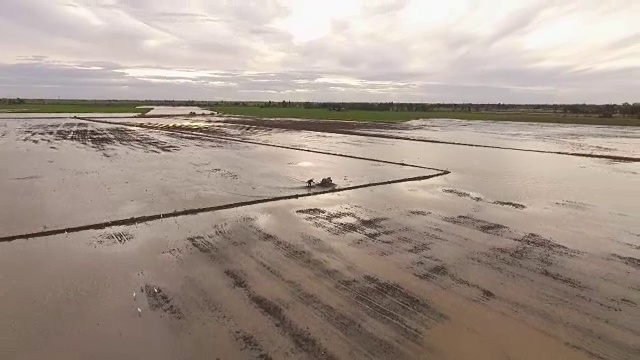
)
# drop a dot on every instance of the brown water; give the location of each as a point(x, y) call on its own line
point(511, 255)
point(616, 140)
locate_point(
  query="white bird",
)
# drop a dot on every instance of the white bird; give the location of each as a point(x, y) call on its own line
point(154, 289)
point(139, 312)
point(134, 296)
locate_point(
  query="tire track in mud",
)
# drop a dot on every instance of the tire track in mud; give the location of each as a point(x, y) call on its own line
point(387, 302)
point(347, 326)
point(523, 257)
point(371, 229)
point(404, 313)
point(159, 300)
point(205, 305)
point(437, 272)
point(301, 338)
point(278, 315)
point(537, 259)
point(531, 253)
point(628, 260)
point(396, 316)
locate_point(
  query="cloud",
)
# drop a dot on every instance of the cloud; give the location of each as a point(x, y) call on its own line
point(385, 50)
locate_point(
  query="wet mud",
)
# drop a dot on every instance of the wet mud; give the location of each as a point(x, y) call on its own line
point(462, 194)
point(34, 177)
point(477, 198)
point(478, 224)
point(388, 303)
point(628, 260)
point(251, 344)
point(570, 204)
point(216, 133)
point(524, 257)
point(346, 325)
point(115, 238)
point(346, 220)
point(302, 339)
point(100, 139)
point(510, 204)
point(159, 300)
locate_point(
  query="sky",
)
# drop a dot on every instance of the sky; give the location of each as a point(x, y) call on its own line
point(486, 51)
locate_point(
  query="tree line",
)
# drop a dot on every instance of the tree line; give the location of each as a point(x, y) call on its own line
point(602, 110)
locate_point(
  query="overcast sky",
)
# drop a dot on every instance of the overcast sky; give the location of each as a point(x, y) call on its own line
point(513, 51)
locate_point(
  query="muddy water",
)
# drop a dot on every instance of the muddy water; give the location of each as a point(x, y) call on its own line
point(560, 188)
point(123, 172)
point(512, 255)
point(619, 140)
point(612, 142)
point(527, 175)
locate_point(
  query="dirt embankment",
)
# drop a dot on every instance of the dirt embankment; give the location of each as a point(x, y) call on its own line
point(312, 125)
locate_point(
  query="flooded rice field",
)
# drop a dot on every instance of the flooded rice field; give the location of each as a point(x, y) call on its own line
point(197, 237)
point(610, 140)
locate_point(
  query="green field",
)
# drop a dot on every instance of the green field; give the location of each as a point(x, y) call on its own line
point(70, 108)
point(398, 116)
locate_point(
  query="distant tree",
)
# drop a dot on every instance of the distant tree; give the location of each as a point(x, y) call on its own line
point(606, 111)
point(627, 109)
